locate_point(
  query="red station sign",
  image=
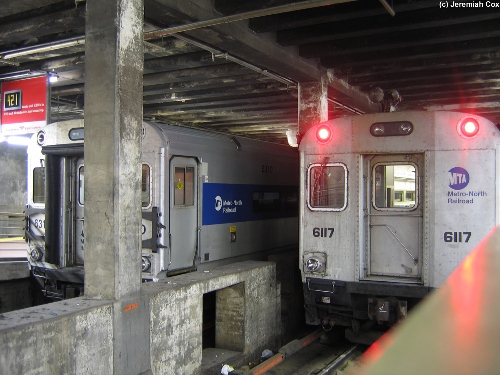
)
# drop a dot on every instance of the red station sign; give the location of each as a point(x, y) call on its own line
point(24, 105)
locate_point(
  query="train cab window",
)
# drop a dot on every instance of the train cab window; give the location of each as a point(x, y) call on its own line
point(146, 186)
point(327, 187)
point(184, 186)
point(39, 185)
point(81, 180)
point(394, 186)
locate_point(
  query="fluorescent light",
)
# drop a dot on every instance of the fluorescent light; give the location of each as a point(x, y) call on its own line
point(16, 75)
point(46, 47)
point(18, 141)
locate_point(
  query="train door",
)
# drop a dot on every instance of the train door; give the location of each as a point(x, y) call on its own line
point(183, 211)
point(78, 216)
point(395, 201)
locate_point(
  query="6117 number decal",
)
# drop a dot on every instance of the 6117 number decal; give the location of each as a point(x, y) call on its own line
point(323, 232)
point(457, 236)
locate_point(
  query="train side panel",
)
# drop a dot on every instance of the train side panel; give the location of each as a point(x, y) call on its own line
point(255, 211)
point(249, 200)
point(244, 200)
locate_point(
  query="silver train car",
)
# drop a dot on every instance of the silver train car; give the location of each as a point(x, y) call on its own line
point(391, 203)
point(207, 200)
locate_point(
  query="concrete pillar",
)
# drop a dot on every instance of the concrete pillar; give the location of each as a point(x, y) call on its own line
point(113, 127)
point(313, 104)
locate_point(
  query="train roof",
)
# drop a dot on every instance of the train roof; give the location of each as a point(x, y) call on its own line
point(437, 130)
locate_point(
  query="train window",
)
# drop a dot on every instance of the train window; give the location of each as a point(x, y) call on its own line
point(266, 201)
point(189, 194)
point(394, 186)
point(292, 201)
point(145, 185)
point(274, 201)
point(184, 186)
point(81, 195)
point(327, 187)
point(39, 185)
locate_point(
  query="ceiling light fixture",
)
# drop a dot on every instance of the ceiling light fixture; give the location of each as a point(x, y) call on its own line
point(46, 47)
point(53, 77)
point(18, 75)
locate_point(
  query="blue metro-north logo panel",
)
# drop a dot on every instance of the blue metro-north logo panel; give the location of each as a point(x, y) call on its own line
point(231, 203)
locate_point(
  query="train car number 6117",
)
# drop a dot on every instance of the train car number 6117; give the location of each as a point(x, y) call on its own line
point(323, 232)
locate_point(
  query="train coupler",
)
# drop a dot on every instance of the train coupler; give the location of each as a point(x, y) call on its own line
point(327, 324)
point(387, 310)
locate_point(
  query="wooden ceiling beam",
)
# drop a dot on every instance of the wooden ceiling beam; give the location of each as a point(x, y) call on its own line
point(42, 25)
point(417, 22)
point(412, 53)
point(338, 13)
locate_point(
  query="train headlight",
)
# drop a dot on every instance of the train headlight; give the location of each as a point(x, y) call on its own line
point(392, 128)
point(146, 264)
point(468, 127)
point(312, 264)
point(40, 138)
point(323, 134)
point(406, 128)
point(378, 129)
point(36, 253)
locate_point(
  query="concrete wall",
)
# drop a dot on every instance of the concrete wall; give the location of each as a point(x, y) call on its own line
point(12, 175)
point(15, 286)
point(72, 337)
point(247, 315)
point(159, 332)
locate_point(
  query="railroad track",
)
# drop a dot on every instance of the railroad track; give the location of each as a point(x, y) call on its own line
point(341, 360)
point(318, 353)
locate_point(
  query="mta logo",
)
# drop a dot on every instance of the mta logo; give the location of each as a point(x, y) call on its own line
point(218, 203)
point(459, 178)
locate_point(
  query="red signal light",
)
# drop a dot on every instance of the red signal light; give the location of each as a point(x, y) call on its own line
point(468, 127)
point(323, 134)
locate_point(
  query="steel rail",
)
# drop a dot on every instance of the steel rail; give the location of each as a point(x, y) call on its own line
point(338, 361)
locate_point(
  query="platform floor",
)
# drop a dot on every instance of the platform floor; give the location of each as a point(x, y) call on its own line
point(12, 248)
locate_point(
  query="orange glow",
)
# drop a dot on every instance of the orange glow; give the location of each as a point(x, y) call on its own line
point(467, 285)
point(455, 330)
point(463, 312)
point(377, 349)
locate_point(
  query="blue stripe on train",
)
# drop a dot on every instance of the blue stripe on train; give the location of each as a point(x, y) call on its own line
point(230, 203)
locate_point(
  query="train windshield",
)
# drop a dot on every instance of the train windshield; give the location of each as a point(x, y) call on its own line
point(39, 185)
point(145, 186)
point(80, 185)
point(328, 187)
